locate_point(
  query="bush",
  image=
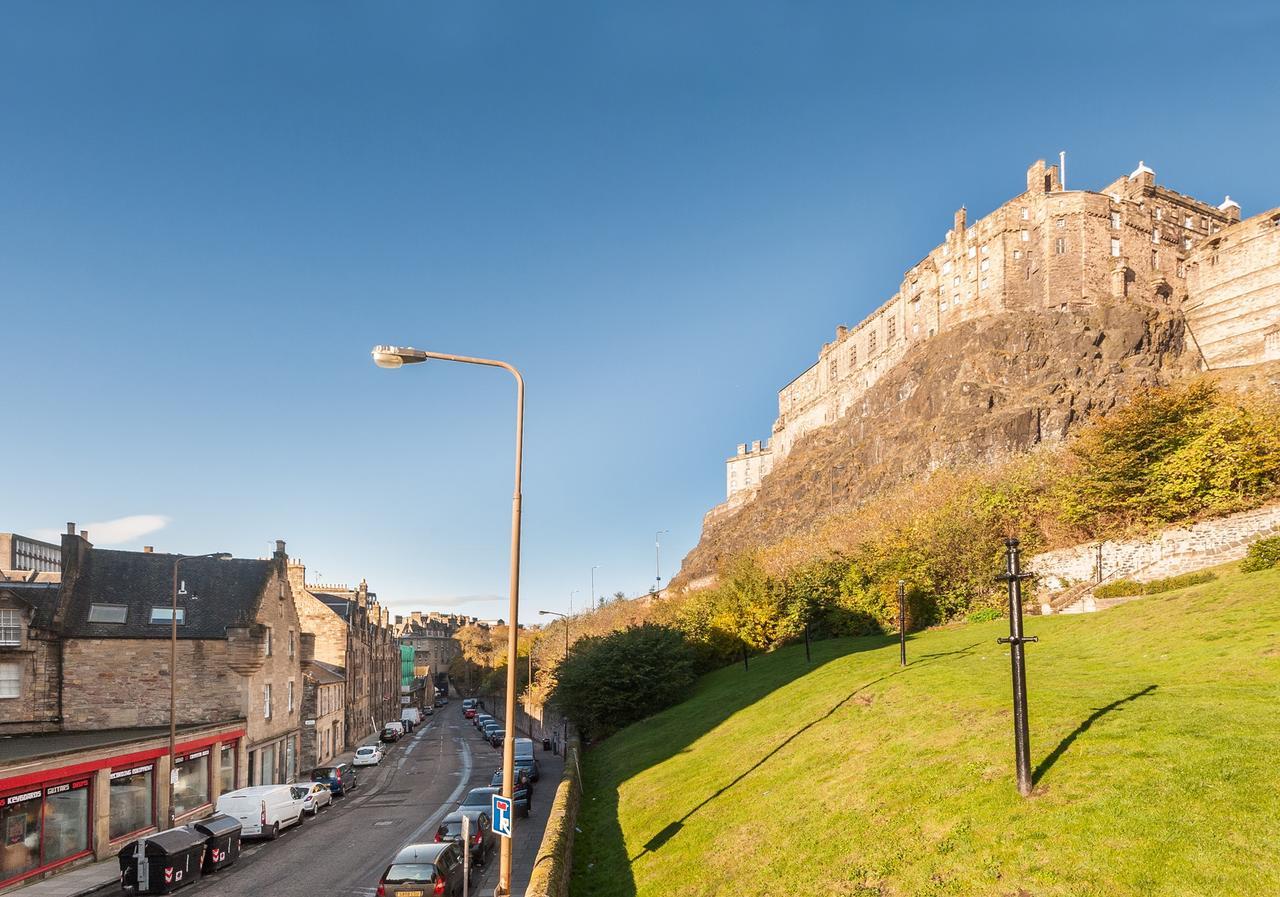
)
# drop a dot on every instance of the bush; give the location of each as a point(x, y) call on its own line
point(1261, 555)
point(985, 615)
point(611, 681)
point(1120, 588)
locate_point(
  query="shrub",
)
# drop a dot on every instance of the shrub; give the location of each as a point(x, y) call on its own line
point(1261, 555)
point(1119, 588)
point(1156, 586)
point(985, 615)
point(611, 681)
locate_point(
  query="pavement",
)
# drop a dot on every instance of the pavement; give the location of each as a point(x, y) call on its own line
point(343, 851)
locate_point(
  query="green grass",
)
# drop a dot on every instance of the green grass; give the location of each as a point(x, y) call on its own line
point(1155, 731)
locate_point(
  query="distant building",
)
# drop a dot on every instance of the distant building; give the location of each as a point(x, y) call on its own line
point(22, 553)
point(432, 636)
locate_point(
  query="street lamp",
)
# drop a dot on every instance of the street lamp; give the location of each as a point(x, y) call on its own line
point(594, 568)
point(173, 673)
point(564, 722)
point(394, 357)
point(657, 554)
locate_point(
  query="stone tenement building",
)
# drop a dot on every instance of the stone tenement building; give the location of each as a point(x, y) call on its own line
point(1049, 247)
point(433, 637)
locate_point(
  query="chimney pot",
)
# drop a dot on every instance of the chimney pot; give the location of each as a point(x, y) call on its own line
point(84, 534)
point(148, 549)
point(71, 528)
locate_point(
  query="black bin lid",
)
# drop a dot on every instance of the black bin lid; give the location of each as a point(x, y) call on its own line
point(218, 825)
point(167, 843)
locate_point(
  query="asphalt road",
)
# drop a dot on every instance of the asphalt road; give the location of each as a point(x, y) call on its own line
point(343, 851)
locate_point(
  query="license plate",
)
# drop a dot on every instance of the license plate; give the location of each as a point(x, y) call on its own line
point(408, 894)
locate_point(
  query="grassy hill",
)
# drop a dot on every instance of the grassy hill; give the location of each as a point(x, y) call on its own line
point(1155, 731)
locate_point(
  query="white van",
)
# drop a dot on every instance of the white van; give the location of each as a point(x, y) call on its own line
point(263, 810)
point(524, 747)
point(410, 717)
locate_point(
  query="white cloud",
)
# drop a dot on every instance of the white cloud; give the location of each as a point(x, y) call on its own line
point(115, 532)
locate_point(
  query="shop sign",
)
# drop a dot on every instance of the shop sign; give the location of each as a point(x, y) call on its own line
point(121, 773)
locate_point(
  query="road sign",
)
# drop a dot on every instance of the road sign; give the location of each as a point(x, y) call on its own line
point(502, 815)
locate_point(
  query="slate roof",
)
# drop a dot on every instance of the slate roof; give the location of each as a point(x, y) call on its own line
point(326, 673)
point(336, 603)
point(43, 596)
point(220, 593)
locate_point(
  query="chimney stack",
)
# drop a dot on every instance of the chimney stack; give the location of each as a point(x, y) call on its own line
point(148, 549)
point(84, 534)
point(71, 528)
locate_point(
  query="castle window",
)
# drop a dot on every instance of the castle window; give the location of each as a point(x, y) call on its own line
point(1026, 236)
point(1182, 269)
point(1115, 220)
point(946, 269)
point(871, 343)
point(915, 328)
point(1188, 222)
point(982, 285)
point(972, 252)
point(986, 263)
point(832, 370)
point(853, 356)
point(1061, 222)
point(1155, 235)
point(1159, 213)
point(1155, 258)
point(893, 329)
point(1026, 213)
point(942, 305)
point(1061, 244)
point(1017, 254)
point(1186, 242)
point(1115, 248)
point(984, 249)
point(955, 281)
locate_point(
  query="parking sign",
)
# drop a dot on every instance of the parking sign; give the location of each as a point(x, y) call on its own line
point(502, 815)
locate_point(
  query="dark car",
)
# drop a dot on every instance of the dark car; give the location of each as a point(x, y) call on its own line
point(530, 767)
point(422, 869)
point(483, 839)
point(482, 718)
point(488, 726)
point(523, 793)
point(479, 799)
point(340, 777)
point(390, 735)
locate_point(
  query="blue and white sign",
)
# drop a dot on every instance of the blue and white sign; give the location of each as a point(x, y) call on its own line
point(502, 815)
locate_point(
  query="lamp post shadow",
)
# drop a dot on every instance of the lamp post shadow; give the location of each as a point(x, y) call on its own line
point(1047, 763)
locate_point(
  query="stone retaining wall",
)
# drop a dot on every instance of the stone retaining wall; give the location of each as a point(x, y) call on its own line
point(1173, 551)
point(554, 864)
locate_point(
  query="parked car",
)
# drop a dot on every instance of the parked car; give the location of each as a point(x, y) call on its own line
point(481, 718)
point(522, 792)
point(530, 767)
point(314, 797)
point(524, 752)
point(479, 799)
point(441, 701)
point(483, 839)
point(422, 869)
point(340, 778)
point(367, 755)
point(410, 718)
point(470, 707)
point(428, 710)
point(263, 810)
point(391, 733)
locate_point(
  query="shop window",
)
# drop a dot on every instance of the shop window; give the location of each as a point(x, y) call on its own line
point(10, 680)
point(66, 820)
point(132, 804)
point(267, 766)
point(192, 788)
point(227, 768)
point(20, 823)
point(108, 613)
point(10, 626)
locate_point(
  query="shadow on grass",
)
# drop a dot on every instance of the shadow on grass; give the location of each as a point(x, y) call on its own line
point(671, 829)
point(1047, 763)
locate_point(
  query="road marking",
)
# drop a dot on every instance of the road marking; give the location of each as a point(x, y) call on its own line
point(434, 819)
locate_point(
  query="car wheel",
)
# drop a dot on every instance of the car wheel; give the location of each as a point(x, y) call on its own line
point(274, 833)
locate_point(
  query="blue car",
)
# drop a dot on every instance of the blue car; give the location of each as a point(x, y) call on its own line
point(340, 777)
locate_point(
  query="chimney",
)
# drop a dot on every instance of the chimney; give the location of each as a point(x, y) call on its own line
point(399, 620)
point(148, 549)
point(962, 216)
point(417, 616)
point(280, 548)
point(71, 528)
point(84, 534)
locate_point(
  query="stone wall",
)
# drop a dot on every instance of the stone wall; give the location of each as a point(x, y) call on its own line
point(1234, 280)
point(1169, 553)
point(553, 866)
point(38, 657)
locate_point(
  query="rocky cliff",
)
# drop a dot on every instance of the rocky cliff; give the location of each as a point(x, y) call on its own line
point(977, 393)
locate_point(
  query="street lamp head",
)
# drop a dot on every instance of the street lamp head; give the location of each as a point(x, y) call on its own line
point(392, 357)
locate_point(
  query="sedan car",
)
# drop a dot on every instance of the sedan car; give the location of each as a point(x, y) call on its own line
point(530, 766)
point(340, 778)
point(522, 795)
point(483, 839)
point(314, 797)
point(422, 869)
point(479, 799)
point(368, 755)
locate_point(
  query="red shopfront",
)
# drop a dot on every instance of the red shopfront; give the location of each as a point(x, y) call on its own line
point(49, 818)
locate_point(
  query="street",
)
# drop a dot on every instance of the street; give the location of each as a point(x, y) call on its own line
point(343, 851)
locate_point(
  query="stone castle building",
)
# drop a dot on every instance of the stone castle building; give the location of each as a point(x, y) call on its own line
point(1050, 247)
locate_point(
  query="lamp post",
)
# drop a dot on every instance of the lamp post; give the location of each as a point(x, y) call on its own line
point(564, 723)
point(594, 568)
point(394, 357)
point(173, 674)
point(657, 555)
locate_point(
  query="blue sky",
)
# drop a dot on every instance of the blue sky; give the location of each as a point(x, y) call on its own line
point(210, 212)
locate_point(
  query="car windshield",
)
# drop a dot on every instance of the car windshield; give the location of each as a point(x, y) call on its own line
point(401, 872)
point(299, 793)
point(479, 797)
point(367, 750)
point(325, 773)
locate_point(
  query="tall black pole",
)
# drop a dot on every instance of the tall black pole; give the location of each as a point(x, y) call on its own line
point(1013, 575)
point(744, 657)
point(902, 623)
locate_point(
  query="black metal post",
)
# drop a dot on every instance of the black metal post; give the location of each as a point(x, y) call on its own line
point(1013, 575)
point(1099, 562)
point(902, 623)
point(744, 657)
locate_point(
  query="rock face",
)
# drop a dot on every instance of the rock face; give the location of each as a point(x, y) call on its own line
point(990, 387)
